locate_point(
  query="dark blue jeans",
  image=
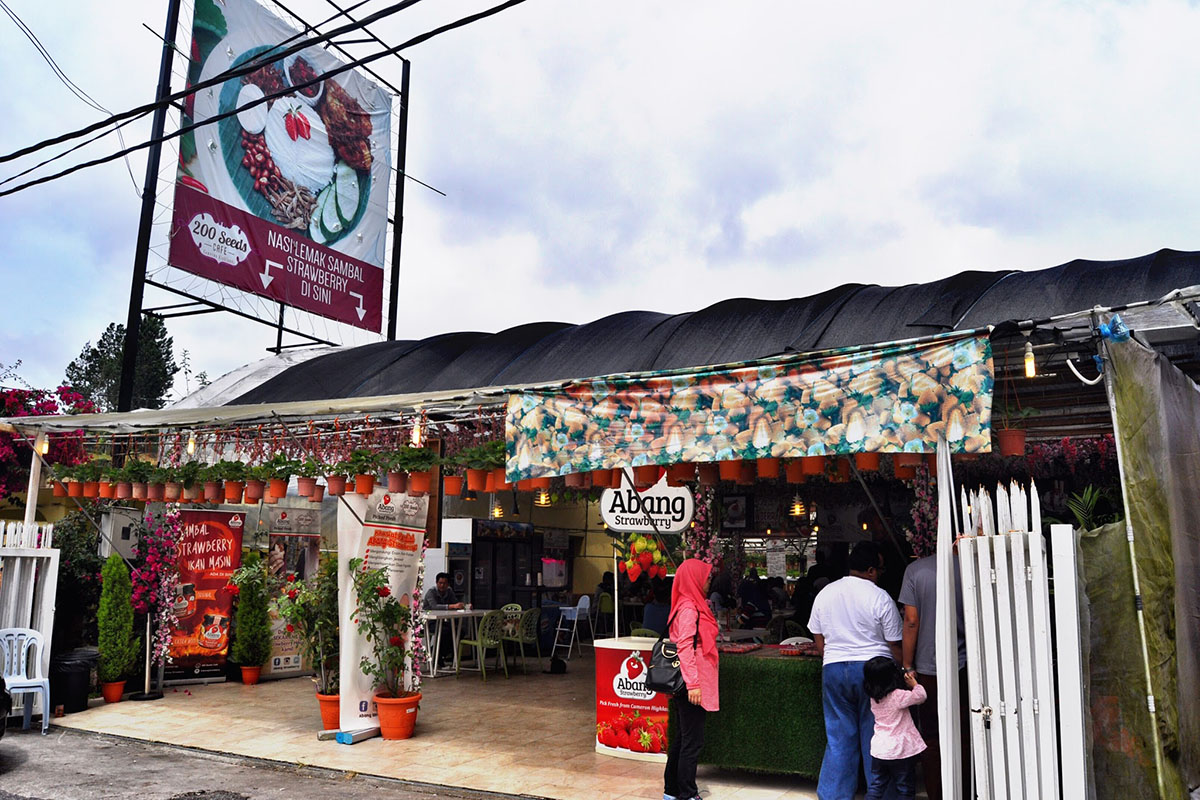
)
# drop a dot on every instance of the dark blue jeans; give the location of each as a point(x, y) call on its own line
point(849, 726)
point(892, 778)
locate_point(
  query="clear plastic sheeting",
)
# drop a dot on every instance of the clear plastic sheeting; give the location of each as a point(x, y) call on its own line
point(1157, 411)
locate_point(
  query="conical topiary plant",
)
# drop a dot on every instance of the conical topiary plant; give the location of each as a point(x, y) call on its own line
point(251, 621)
point(118, 646)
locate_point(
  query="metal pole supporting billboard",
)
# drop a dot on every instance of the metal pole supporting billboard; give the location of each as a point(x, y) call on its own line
point(149, 190)
point(398, 213)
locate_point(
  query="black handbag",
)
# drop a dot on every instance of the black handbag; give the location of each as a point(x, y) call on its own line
point(663, 674)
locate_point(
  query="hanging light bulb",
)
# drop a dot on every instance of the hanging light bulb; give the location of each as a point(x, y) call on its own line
point(43, 444)
point(416, 433)
point(797, 509)
point(191, 445)
point(1030, 364)
point(541, 498)
point(864, 526)
point(497, 511)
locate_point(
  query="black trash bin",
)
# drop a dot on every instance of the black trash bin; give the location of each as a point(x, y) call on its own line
point(71, 678)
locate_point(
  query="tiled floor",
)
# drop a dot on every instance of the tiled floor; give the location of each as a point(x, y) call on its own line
point(531, 734)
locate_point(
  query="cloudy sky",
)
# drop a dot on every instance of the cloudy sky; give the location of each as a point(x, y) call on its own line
point(600, 157)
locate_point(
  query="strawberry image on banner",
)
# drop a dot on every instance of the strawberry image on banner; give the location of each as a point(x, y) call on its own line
point(631, 720)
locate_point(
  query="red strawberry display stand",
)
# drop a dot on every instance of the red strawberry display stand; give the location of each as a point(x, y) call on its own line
point(631, 720)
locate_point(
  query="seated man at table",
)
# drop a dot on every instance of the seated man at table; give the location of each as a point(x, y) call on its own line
point(441, 597)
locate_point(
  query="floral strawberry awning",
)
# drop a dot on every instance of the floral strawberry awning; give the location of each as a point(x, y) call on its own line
point(892, 399)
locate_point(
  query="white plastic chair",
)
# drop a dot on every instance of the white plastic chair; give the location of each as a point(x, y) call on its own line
point(570, 632)
point(793, 640)
point(20, 650)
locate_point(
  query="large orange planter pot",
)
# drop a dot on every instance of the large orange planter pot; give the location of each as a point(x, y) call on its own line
point(254, 490)
point(318, 494)
point(172, 491)
point(812, 465)
point(729, 470)
point(453, 485)
point(138, 490)
point(336, 485)
point(768, 467)
point(156, 491)
point(364, 484)
point(331, 717)
point(112, 691)
point(645, 476)
point(278, 487)
point(500, 481)
point(397, 482)
point(91, 489)
point(419, 482)
point(397, 715)
point(602, 478)
point(540, 483)
point(74, 489)
point(306, 486)
point(107, 490)
point(233, 491)
point(250, 675)
point(574, 480)
point(708, 474)
point(1011, 441)
point(124, 491)
point(867, 462)
point(477, 480)
point(793, 472)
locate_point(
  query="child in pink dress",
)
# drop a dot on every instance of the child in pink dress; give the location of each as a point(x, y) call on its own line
point(896, 743)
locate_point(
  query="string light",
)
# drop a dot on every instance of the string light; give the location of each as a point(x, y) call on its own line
point(541, 498)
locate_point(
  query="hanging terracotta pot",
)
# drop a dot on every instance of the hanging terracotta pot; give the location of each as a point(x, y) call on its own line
point(793, 471)
point(330, 711)
point(931, 462)
point(843, 470)
point(254, 490)
point(747, 475)
point(124, 490)
point(867, 462)
point(683, 471)
point(305, 486)
point(172, 491)
point(574, 479)
point(602, 478)
point(269, 499)
point(525, 485)
point(91, 489)
point(419, 482)
point(278, 487)
point(138, 490)
point(193, 493)
point(233, 491)
point(364, 484)
point(907, 459)
point(107, 490)
point(768, 467)
point(155, 492)
point(336, 485)
point(397, 715)
point(645, 476)
point(1011, 441)
point(730, 470)
point(452, 485)
point(708, 474)
point(541, 483)
point(477, 480)
point(318, 494)
point(60, 488)
point(812, 465)
point(903, 472)
point(489, 482)
point(250, 675)
point(500, 481)
point(397, 481)
point(74, 489)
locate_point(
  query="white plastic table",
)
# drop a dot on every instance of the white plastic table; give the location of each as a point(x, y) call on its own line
point(456, 618)
point(741, 634)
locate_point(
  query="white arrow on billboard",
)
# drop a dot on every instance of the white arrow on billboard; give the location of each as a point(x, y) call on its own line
point(361, 311)
point(266, 277)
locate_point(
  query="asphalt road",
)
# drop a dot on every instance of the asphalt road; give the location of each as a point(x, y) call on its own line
point(75, 765)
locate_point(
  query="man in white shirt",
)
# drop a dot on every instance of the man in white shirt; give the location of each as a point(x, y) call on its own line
point(852, 621)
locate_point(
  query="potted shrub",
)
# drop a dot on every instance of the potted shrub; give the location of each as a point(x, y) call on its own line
point(156, 484)
point(386, 621)
point(251, 621)
point(256, 481)
point(88, 473)
point(188, 476)
point(310, 609)
point(214, 486)
point(109, 478)
point(282, 468)
point(1011, 438)
point(233, 473)
point(362, 464)
point(479, 460)
point(452, 479)
point(390, 464)
point(307, 472)
point(122, 486)
point(418, 462)
point(335, 480)
point(114, 621)
point(64, 477)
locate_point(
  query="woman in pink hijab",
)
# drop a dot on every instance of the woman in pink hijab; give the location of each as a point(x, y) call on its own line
point(693, 629)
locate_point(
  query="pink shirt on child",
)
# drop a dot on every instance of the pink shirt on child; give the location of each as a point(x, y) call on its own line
point(896, 736)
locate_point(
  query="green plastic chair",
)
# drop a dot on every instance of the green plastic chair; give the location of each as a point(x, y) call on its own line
point(605, 613)
point(488, 638)
point(527, 633)
point(653, 634)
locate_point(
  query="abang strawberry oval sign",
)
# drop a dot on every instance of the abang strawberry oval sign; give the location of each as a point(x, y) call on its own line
point(661, 508)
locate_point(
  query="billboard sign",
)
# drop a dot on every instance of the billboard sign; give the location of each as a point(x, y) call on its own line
point(287, 199)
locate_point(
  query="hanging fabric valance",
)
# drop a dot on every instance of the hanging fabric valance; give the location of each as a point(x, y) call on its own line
point(890, 398)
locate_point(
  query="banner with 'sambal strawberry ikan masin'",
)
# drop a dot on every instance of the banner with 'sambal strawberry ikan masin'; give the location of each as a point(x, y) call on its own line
point(210, 549)
point(287, 196)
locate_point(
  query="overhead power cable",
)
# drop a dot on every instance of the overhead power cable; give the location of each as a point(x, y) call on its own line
point(424, 37)
point(271, 56)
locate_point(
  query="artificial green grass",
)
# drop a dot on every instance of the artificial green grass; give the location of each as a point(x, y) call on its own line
point(771, 718)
